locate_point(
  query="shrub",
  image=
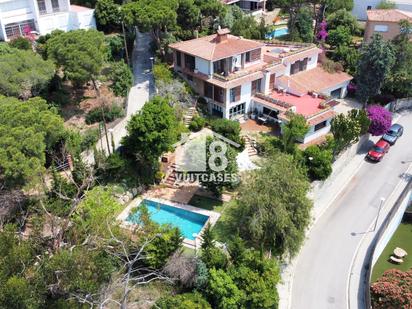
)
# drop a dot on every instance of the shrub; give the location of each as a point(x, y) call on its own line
point(183, 301)
point(110, 113)
point(393, 290)
point(161, 72)
point(89, 139)
point(115, 45)
point(229, 129)
point(121, 77)
point(331, 66)
point(21, 43)
point(318, 162)
point(381, 120)
point(197, 124)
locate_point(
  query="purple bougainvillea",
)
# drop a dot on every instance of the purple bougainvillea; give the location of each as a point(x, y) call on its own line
point(323, 33)
point(381, 120)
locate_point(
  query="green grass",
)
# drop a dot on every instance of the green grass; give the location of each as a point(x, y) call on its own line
point(224, 229)
point(206, 203)
point(401, 238)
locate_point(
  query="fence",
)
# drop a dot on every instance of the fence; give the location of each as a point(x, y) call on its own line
point(383, 236)
point(401, 104)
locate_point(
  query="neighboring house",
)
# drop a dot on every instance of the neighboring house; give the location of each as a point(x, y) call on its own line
point(385, 22)
point(360, 7)
point(249, 6)
point(18, 17)
point(239, 76)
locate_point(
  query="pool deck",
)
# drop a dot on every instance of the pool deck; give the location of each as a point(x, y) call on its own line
point(194, 244)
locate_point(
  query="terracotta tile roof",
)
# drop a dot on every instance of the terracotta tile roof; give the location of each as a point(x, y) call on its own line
point(388, 15)
point(319, 80)
point(210, 49)
point(321, 117)
point(303, 54)
point(290, 84)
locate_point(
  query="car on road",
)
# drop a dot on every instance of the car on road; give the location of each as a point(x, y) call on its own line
point(394, 132)
point(378, 151)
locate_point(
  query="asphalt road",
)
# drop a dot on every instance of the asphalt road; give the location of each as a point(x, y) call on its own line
point(323, 265)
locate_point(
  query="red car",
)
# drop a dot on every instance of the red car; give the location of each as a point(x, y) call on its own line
point(378, 150)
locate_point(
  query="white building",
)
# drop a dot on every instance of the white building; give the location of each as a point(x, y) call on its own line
point(360, 7)
point(42, 16)
point(270, 80)
point(249, 6)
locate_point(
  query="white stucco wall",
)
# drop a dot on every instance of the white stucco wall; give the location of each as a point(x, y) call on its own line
point(311, 135)
point(343, 87)
point(202, 65)
point(245, 97)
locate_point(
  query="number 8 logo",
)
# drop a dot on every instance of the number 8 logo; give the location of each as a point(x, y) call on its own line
point(214, 154)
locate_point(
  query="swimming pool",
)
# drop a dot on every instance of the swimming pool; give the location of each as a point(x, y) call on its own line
point(277, 33)
point(187, 221)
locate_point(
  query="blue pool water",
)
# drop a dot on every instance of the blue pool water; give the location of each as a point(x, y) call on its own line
point(188, 222)
point(277, 33)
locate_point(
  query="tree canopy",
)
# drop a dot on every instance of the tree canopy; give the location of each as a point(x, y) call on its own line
point(27, 130)
point(149, 135)
point(376, 61)
point(80, 53)
point(24, 74)
point(273, 210)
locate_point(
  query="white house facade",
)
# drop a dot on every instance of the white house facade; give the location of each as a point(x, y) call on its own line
point(238, 77)
point(17, 17)
point(360, 7)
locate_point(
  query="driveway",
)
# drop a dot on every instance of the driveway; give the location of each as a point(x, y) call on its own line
point(324, 263)
point(140, 92)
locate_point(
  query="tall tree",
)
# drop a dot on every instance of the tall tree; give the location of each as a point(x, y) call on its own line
point(375, 63)
point(149, 134)
point(301, 28)
point(400, 77)
point(27, 130)
point(23, 73)
point(80, 53)
point(273, 210)
point(155, 16)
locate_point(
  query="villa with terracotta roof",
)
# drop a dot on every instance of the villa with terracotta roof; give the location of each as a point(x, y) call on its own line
point(270, 80)
point(385, 23)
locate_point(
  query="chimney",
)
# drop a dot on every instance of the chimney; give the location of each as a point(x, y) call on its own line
point(222, 35)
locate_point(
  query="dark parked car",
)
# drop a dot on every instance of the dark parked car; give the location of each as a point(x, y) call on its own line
point(394, 132)
point(378, 150)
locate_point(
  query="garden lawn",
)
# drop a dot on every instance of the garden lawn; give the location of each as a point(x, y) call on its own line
point(401, 238)
point(206, 203)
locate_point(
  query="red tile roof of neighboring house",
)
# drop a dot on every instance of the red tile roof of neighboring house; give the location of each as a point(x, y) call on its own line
point(209, 47)
point(303, 54)
point(321, 117)
point(393, 15)
point(319, 80)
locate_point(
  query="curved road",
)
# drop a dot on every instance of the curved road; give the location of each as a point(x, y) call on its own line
point(324, 263)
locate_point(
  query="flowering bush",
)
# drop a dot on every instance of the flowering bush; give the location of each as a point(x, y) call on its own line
point(323, 33)
point(393, 290)
point(381, 120)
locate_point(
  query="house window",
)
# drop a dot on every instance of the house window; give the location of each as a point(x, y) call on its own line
point(237, 110)
point(55, 5)
point(15, 30)
point(190, 62)
point(369, 7)
point(256, 86)
point(272, 81)
point(269, 112)
point(299, 66)
point(179, 58)
point(218, 94)
point(380, 28)
point(217, 110)
point(321, 125)
point(208, 90)
point(235, 94)
point(253, 55)
point(41, 4)
point(247, 57)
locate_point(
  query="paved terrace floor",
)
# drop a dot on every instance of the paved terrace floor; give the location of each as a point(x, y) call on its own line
point(305, 105)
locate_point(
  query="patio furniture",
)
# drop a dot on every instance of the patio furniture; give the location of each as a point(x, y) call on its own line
point(396, 260)
point(263, 119)
point(399, 252)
